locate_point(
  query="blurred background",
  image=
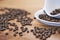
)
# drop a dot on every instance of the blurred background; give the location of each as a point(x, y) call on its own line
point(30, 5)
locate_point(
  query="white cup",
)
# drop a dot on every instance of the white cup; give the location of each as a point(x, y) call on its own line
point(51, 5)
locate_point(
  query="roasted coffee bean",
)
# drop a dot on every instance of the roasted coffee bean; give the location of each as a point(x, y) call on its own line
point(37, 35)
point(34, 18)
point(21, 27)
point(20, 33)
point(16, 28)
point(41, 37)
point(24, 29)
point(31, 30)
point(2, 28)
point(16, 32)
point(7, 28)
point(14, 35)
point(44, 38)
point(19, 19)
point(37, 30)
point(12, 24)
point(34, 33)
point(27, 31)
point(6, 33)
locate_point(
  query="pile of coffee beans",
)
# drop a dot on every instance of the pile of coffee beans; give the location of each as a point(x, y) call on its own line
point(56, 11)
point(43, 33)
point(8, 14)
point(48, 18)
point(12, 13)
point(25, 21)
point(21, 16)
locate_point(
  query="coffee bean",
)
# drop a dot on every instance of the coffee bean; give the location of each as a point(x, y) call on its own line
point(34, 33)
point(20, 33)
point(27, 31)
point(37, 35)
point(2, 28)
point(31, 30)
point(6, 33)
point(21, 27)
point(34, 18)
point(14, 35)
point(12, 24)
point(16, 32)
point(16, 28)
point(24, 29)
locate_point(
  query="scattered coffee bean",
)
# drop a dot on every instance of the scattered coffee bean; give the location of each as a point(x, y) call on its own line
point(6, 33)
point(27, 31)
point(34, 18)
point(21, 27)
point(14, 35)
point(12, 24)
point(16, 28)
point(2, 28)
point(31, 30)
point(20, 33)
point(16, 32)
point(24, 29)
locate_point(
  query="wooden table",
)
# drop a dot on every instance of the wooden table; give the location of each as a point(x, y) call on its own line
point(31, 6)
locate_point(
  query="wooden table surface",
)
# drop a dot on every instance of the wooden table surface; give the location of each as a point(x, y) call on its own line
point(31, 6)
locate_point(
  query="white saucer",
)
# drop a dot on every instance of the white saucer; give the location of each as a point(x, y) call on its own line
point(39, 12)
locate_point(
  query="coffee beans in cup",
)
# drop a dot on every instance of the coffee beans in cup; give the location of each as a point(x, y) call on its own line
point(48, 18)
point(56, 11)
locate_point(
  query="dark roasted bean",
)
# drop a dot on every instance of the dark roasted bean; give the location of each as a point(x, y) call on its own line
point(16, 28)
point(27, 31)
point(6, 33)
point(31, 30)
point(14, 35)
point(24, 29)
point(34, 18)
point(16, 32)
point(2, 28)
point(20, 34)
